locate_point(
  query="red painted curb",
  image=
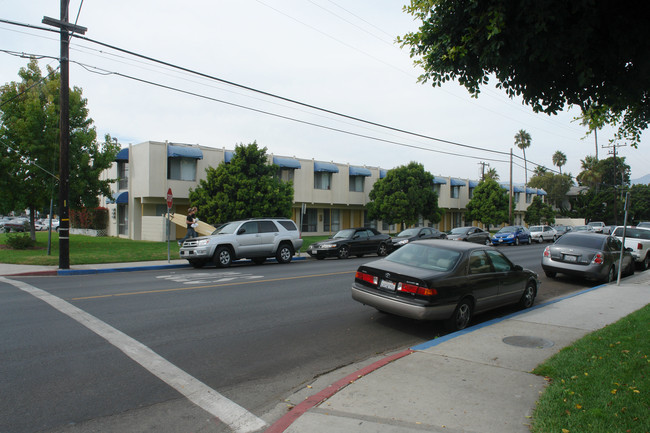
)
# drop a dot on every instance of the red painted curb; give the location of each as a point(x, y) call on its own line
point(283, 423)
point(34, 274)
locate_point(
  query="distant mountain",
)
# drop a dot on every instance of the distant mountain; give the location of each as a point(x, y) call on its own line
point(644, 180)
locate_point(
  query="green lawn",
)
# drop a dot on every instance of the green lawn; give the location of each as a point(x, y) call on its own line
point(88, 250)
point(601, 383)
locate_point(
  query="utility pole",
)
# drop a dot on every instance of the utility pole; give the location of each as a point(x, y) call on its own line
point(483, 164)
point(510, 220)
point(613, 152)
point(64, 138)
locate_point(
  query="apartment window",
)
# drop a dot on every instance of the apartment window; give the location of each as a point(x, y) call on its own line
point(286, 174)
point(322, 180)
point(180, 168)
point(122, 175)
point(529, 198)
point(332, 220)
point(517, 197)
point(436, 189)
point(454, 192)
point(310, 220)
point(471, 193)
point(356, 183)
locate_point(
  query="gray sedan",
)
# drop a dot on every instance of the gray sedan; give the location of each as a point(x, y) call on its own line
point(588, 255)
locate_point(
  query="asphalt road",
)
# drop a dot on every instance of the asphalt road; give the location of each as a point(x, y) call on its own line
point(254, 334)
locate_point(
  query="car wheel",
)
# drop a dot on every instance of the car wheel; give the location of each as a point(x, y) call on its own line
point(461, 317)
point(528, 297)
point(284, 254)
point(197, 264)
point(258, 260)
point(555, 237)
point(611, 275)
point(530, 241)
point(222, 257)
point(382, 250)
point(550, 274)
point(344, 252)
point(516, 241)
point(645, 263)
point(488, 242)
point(629, 271)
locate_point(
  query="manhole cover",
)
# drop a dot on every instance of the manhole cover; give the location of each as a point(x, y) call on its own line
point(529, 342)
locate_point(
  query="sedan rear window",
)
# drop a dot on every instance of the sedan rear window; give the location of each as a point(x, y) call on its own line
point(594, 242)
point(425, 257)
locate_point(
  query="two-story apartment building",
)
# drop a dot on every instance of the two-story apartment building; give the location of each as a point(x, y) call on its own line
point(328, 196)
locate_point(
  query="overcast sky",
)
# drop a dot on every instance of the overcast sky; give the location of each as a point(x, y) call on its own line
point(336, 55)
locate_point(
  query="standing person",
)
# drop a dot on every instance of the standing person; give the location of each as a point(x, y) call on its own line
point(189, 222)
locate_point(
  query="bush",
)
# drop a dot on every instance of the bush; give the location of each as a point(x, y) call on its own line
point(84, 218)
point(21, 241)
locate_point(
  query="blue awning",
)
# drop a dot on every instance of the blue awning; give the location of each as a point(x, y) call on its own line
point(516, 188)
point(359, 171)
point(438, 180)
point(228, 156)
point(286, 162)
point(505, 186)
point(531, 190)
point(541, 192)
point(382, 173)
point(457, 182)
point(122, 198)
point(473, 183)
point(325, 166)
point(123, 155)
point(174, 151)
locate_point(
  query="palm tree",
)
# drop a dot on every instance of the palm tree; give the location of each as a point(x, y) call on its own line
point(559, 159)
point(540, 170)
point(522, 141)
point(589, 176)
point(492, 174)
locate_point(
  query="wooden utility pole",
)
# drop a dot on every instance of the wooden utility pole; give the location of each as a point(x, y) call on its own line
point(613, 152)
point(64, 137)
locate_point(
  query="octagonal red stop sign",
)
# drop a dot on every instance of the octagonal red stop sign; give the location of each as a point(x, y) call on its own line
point(170, 198)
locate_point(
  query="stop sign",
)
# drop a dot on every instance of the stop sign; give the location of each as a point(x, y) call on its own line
point(170, 198)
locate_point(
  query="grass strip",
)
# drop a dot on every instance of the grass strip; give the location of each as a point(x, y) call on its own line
point(601, 383)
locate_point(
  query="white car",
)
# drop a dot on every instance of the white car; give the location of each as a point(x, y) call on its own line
point(638, 239)
point(543, 233)
point(598, 226)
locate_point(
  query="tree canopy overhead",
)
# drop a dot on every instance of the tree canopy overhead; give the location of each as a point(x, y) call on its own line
point(589, 53)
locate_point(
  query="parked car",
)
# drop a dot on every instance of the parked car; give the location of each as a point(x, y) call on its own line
point(597, 226)
point(415, 234)
point(16, 225)
point(584, 228)
point(608, 230)
point(588, 255)
point(543, 233)
point(562, 229)
point(470, 234)
point(643, 225)
point(256, 239)
point(349, 242)
point(638, 239)
point(444, 280)
point(512, 235)
point(40, 225)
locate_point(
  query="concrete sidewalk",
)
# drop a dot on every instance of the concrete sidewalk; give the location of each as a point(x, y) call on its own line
point(476, 380)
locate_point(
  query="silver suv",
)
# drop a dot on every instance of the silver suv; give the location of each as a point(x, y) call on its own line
point(255, 239)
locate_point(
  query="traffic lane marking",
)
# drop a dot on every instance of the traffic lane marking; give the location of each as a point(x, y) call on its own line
point(229, 412)
point(236, 283)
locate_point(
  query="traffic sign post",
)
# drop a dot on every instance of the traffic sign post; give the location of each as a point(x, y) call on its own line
point(170, 202)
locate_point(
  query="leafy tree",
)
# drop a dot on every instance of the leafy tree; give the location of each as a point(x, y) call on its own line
point(29, 145)
point(405, 194)
point(559, 159)
point(246, 187)
point(492, 173)
point(596, 205)
point(589, 176)
point(522, 141)
point(603, 173)
point(555, 185)
point(540, 170)
point(592, 54)
point(489, 203)
point(639, 203)
point(539, 212)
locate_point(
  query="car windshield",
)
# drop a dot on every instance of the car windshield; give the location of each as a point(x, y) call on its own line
point(508, 229)
point(343, 234)
point(583, 240)
point(425, 257)
point(459, 231)
point(535, 228)
point(408, 232)
point(581, 228)
point(632, 233)
point(227, 229)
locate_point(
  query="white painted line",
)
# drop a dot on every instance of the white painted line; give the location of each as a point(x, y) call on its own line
point(235, 416)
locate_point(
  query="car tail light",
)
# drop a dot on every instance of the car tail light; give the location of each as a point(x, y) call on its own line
point(639, 246)
point(415, 289)
point(547, 252)
point(366, 278)
point(598, 258)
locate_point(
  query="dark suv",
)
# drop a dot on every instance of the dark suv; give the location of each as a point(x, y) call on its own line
point(256, 239)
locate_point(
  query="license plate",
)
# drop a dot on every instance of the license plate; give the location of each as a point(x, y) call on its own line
point(500, 240)
point(388, 285)
point(570, 258)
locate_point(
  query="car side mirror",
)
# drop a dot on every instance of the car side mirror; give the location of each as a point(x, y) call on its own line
point(518, 268)
point(356, 237)
point(241, 231)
